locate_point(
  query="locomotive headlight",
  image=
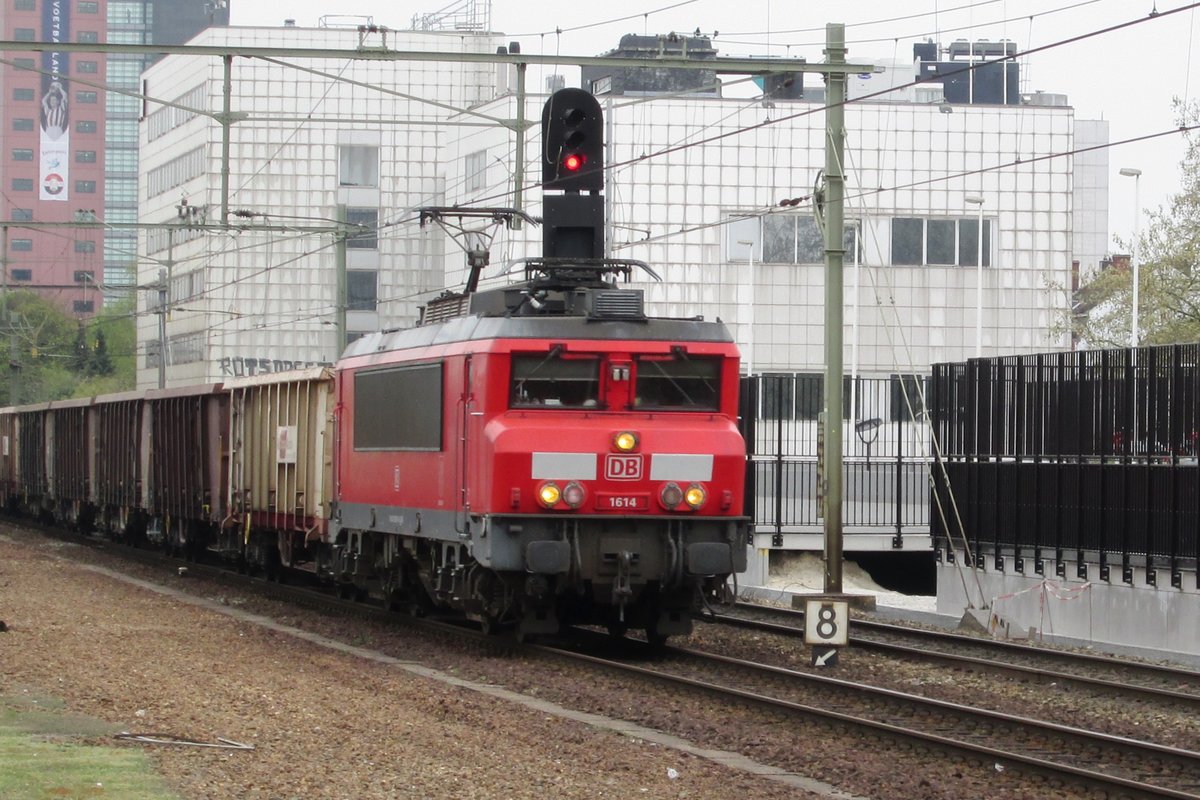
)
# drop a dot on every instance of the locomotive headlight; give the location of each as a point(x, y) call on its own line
point(549, 494)
point(574, 494)
point(671, 495)
point(695, 496)
point(625, 441)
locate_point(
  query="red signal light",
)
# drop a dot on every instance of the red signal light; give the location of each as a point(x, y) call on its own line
point(573, 162)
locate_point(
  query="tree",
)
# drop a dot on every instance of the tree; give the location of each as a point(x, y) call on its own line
point(101, 364)
point(112, 358)
point(51, 356)
point(40, 343)
point(1169, 268)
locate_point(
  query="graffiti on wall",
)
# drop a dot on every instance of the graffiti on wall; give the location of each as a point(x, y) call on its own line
point(239, 367)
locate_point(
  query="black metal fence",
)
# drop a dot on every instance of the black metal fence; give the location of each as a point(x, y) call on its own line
point(1083, 456)
point(885, 445)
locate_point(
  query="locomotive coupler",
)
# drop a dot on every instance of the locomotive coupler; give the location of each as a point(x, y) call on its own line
point(622, 590)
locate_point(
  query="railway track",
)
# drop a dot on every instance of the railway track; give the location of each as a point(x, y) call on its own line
point(1121, 678)
point(1122, 766)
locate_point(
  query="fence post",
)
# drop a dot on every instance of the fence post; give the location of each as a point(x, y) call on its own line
point(898, 539)
point(777, 537)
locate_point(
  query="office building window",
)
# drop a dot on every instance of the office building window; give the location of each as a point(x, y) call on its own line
point(88, 37)
point(85, 156)
point(23, 63)
point(125, 12)
point(939, 242)
point(25, 5)
point(126, 37)
point(85, 247)
point(85, 275)
point(24, 34)
point(175, 172)
point(122, 130)
point(87, 67)
point(22, 274)
point(85, 126)
point(85, 187)
point(361, 289)
point(120, 190)
point(366, 237)
point(358, 165)
point(89, 7)
point(21, 245)
point(475, 168)
point(22, 184)
point(21, 215)
point(121, 104)
point(22, 124)
point(22, 154)
point(785, 239)
point(121, 161)
point(22, 94)
point(84, 306)
point(85, 97)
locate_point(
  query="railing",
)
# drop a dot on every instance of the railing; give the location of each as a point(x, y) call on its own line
point(885, 452)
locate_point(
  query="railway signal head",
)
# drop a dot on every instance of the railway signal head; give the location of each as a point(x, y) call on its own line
point(572, 142)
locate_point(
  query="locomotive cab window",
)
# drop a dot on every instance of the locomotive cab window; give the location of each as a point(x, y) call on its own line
point(678, 382)
point(555, 380)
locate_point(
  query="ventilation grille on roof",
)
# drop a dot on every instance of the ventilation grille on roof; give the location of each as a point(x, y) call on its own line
point(618, 304)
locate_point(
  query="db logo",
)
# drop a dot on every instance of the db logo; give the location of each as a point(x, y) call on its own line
point(618, 467)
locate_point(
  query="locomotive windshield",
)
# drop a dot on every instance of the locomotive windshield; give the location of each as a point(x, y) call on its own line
point(677, 381)
point(554, 380)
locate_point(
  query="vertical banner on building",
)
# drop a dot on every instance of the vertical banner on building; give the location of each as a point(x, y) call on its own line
point(55, 116)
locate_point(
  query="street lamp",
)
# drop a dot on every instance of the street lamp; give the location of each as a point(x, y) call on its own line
point(977, 200)
point(1136, 174)
point(749, 243)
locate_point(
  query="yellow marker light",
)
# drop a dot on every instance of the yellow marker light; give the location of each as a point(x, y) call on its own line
point(671, 495)
point(549, 494)
point(695, 495)
point(625, 441)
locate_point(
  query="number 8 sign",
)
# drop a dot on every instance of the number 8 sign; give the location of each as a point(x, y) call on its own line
point(826, 622)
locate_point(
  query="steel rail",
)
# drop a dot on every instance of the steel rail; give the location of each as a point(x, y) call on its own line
point(940, 711)
point(1128, 669)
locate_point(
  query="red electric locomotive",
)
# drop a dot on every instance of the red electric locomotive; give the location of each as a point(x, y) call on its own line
point(544, 453)
point(554, 456)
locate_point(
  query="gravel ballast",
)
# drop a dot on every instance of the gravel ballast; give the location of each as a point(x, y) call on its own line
point(326, 720)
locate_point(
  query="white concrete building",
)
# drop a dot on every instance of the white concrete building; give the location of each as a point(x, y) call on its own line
point(910, 171)
point(315, 137)
point(692, 179)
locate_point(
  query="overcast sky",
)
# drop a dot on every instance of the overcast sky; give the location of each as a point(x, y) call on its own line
point(1127, 76)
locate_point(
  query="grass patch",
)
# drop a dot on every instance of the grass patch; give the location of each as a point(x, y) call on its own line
point(43, 756)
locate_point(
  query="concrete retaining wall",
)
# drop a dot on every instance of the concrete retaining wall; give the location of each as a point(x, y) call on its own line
point(1107, 614)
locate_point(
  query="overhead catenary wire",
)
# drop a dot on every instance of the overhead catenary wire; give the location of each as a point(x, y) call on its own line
point(768, 210)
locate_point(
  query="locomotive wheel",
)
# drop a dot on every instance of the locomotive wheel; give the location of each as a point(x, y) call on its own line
point(656, 640)
point(489, 625)
point(523, 636)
